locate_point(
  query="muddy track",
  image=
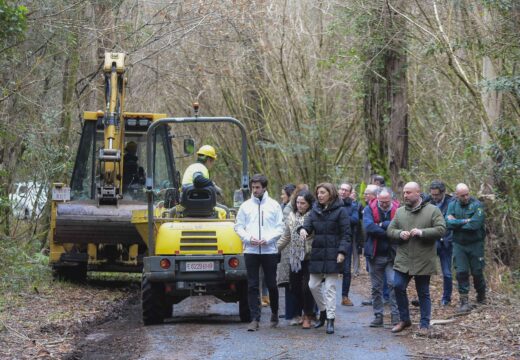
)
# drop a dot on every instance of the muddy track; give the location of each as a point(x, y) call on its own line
point(112, 337)
point(204, 327)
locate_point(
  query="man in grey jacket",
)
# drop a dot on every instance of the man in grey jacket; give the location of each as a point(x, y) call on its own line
point(259, 224)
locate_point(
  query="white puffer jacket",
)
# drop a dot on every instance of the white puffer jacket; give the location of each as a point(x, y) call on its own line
point(261, 219)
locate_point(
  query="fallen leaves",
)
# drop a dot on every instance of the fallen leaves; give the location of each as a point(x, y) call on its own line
point(489, 331)
point(47, 323)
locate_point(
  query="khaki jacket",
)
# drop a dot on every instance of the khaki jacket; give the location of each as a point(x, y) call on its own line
point(417, 255)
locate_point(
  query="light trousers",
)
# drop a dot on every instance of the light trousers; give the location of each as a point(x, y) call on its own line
point(324, 293)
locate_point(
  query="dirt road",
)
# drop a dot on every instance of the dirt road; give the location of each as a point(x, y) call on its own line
point(205, 328)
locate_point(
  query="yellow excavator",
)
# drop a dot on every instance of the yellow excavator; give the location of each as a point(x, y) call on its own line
point(91, 227)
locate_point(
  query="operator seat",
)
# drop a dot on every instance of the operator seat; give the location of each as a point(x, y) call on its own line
point(130, 170)
point(198, 202)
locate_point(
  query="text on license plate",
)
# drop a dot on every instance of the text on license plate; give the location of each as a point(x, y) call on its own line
point(200, 266)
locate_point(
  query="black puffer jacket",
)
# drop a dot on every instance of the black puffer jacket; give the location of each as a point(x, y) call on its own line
point(331, 228)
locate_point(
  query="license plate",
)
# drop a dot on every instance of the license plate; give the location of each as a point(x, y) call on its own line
point(200, 266)
point(61, 194)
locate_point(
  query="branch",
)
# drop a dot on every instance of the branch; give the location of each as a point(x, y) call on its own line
point(462, 74)
point(413, 22)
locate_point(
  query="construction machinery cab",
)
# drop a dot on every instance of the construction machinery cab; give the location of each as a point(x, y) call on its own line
point(87, 172)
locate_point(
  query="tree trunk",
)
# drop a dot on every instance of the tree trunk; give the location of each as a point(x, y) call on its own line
point(374, 112)
point(386, 102)
point(492, 101)
point(70, 75)
point(396, 70)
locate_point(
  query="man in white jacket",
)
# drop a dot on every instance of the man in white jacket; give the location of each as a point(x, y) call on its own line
point(259, 224)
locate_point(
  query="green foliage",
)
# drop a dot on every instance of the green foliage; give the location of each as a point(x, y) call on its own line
point(44, 154)
point(504, 5)
point(506, 155)
point(510, 281)
point(22, 266)
point(503, 83)
point(13, 22)
point(4, 203)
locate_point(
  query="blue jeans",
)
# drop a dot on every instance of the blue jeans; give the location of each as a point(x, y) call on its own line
point(347, 273)
point(445, 256)
point(293, 306)
point(386, 290)
point(422, 285)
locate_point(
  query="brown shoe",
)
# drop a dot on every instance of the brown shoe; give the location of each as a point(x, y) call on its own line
point(306, 322)
point(401, 325)
point(265, 301)
point(346, 301)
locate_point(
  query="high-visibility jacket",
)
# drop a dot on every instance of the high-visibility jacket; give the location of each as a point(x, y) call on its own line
point(192, 172)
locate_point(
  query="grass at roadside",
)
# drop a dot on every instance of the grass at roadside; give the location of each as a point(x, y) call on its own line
point(22, 267)
point(43, 318)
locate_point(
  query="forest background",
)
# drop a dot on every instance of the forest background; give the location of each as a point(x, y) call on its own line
point(329, 90)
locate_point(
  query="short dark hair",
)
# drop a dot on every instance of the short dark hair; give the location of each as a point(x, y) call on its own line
point(307, 196)
point(259, 178)
point(380, 179)
point(331, 189)
point(289, 188)
point(439, 185)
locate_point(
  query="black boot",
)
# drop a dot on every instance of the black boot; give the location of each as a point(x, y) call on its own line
point(330, 326)
point(480, 287)
point(321, 320)
point(378, 321)
point(481, 297)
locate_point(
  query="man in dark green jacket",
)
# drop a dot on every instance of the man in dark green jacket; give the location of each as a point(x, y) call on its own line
point(465, 216)
point(415, 228)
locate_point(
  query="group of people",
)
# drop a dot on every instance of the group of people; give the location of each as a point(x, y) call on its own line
point(402, 242)
point(318, 234)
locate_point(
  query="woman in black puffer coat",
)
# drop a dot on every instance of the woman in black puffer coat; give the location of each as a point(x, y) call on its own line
point(330, 223)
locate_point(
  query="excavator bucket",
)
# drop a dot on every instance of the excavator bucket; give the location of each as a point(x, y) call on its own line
point(86, 222)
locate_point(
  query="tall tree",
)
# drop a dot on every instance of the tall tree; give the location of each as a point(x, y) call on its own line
point(385, 100)
point(13, 25)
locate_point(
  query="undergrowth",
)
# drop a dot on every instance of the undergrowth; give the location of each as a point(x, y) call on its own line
point(22, 266)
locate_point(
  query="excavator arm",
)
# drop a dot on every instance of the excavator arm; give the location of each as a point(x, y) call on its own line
point(91, 228)
point(109, 187)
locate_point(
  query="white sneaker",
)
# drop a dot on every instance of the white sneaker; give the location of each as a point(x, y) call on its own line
point(296, 321)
